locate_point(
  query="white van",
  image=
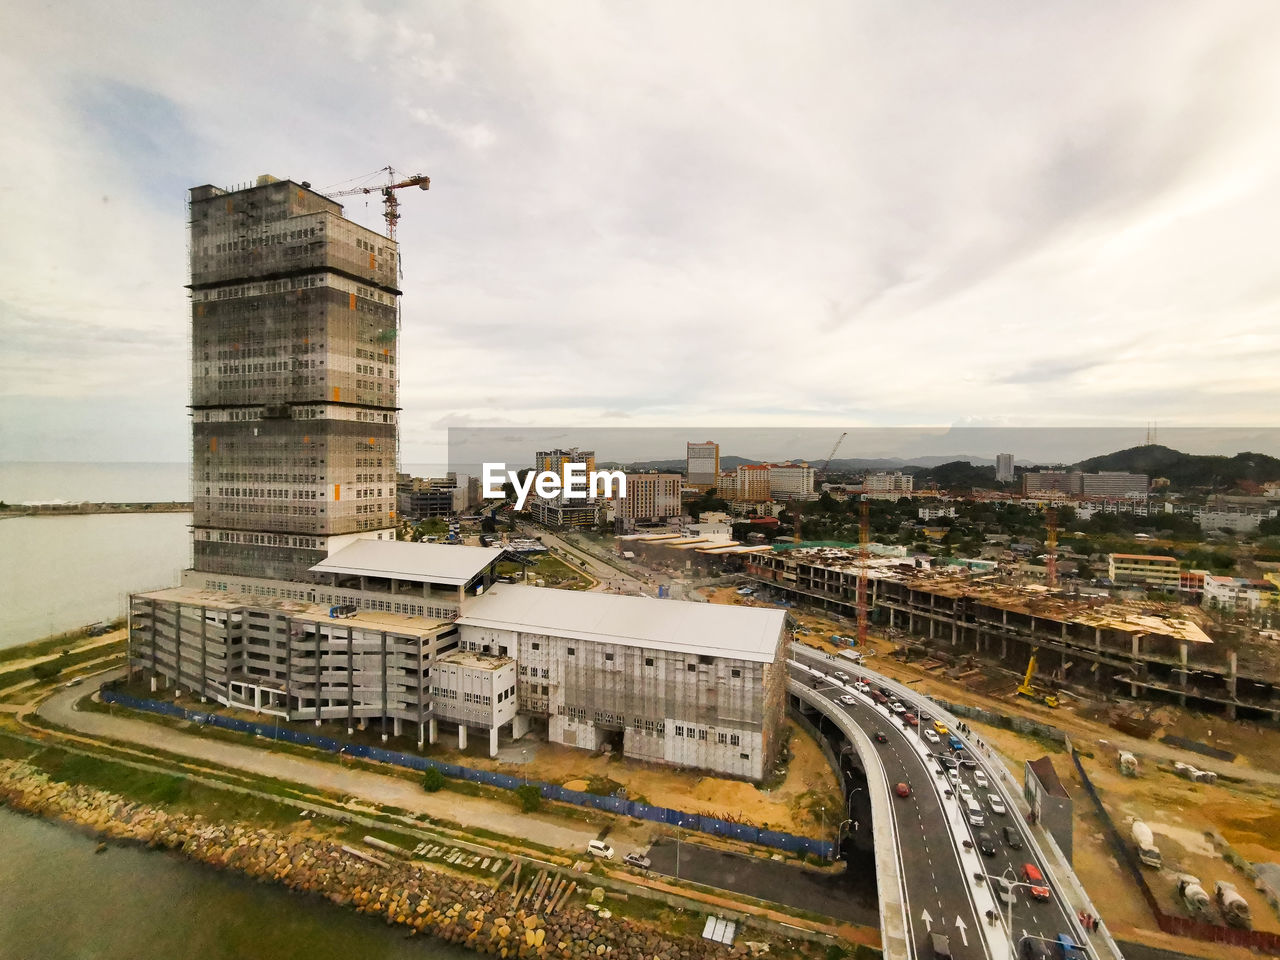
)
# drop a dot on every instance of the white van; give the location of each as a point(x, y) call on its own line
point(598, 848)
point(976, 817)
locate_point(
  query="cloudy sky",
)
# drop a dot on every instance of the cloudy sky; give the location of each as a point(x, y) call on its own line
point(716, 214)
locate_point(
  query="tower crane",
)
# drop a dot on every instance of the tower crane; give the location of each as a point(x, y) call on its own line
point(796, 506)
point(1051, 548)
point(390, 202)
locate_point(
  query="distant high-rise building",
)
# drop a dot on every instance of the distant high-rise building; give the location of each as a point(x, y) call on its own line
point(294, 324)
point(790, 480)
point(1004, 468)
point(1115, 484)
point(553, 461)
point(702, 464)
point(650, 496)
point(753, 482)
point(882, 483)
point(1052, 481)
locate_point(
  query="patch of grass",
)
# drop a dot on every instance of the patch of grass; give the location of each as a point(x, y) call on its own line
point(602, 786)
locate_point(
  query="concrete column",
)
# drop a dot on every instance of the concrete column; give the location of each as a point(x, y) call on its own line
point(519, 726)
point(1231, 685)
point(396, 726)
point(257, 700)
point(433, 730)
point(493, 741)
point(955, 627)
point(422, 735)
point(1182, 673)
point(462, 736)
point(153, 683)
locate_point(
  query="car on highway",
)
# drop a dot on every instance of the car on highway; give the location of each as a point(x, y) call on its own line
point(910, 719)
point(637, 859)
point(1032, 876)
point(1011, 838)
point(847, 700)
point(953, 775)
point(966, 791)
point(925, 718)
point(842, 676)
point(903, 789)
point(598, 848)
point(930, 735)
point(997, 805)
point(1003, 889)
point(897, 707)
point(862, 687)
point(941, 727)
point(880, 737)
point(1070, 949)
point(980, 779)
point(1033, 948)
point(941, 946)
point(986, 846)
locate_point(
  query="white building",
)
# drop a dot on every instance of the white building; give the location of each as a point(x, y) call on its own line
point(702, 464)
point(1004, 467)
point(692, 684)
point(791, 481)
point(878, 484)
point(935, 511)
point(650, 497)
point(1239, 593)
point(475, 689)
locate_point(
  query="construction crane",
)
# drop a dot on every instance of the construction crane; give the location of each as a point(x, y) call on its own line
point(864, 555)
point(1030, 692)
point(831, 456)
point(390, 202)
point(796, 507)
point(1051, 548)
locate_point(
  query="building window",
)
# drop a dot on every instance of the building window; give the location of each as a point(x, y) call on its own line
point(722, 738)
point(679, 731)
point(691, 667)
point(702, 734)
point(744, 756)
point(735, 673)
point(733, 740)
point(608, 658)
point(570, 651)
point(535, 646)
point(648, 661)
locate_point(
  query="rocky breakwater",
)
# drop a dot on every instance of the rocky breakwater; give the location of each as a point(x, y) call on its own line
point(460, 910)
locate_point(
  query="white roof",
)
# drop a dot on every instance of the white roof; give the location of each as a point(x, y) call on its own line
point(717, 630)
point(424, 562)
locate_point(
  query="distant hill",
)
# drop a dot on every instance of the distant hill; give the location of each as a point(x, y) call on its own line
point(1185, 470)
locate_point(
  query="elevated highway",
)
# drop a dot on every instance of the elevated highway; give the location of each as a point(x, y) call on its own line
point(931, 876)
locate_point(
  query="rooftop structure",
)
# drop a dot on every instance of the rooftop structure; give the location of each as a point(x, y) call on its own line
point(704, 628)
point(420, 562)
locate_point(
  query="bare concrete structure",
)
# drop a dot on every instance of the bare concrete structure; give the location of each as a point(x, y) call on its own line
point(290, 658)
point(294, 330)
point(1105, 646)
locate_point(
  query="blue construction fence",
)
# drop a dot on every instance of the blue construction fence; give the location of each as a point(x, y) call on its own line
point(551, 791)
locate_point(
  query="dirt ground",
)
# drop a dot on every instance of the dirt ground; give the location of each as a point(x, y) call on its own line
point(794, 806)
point(1245, 814)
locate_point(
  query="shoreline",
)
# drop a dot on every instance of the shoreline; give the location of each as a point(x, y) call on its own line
point(13, 511)
point(488, 918)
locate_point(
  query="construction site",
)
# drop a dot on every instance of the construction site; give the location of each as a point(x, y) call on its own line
point(1162, 653)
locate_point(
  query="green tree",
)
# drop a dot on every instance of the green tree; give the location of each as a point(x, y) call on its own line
point(530, 797)
point(432, 780)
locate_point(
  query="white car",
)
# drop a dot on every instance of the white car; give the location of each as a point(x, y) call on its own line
point(847, 700)
point(997, 805)
point(842, 676)
point(980, 778)
point(598, 848)
point(953, 775)
point(966, 791)
point(862, 687)
point(931, 735)
point(898, 708)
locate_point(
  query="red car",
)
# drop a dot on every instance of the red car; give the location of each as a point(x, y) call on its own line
point(910, 719)
point(903, 789)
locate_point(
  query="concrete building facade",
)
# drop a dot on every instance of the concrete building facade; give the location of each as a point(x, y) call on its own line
point(691, 684)
point(650, 497)
point(791, 480)
point(880, 484)
point(1004, 467)
point(294, 323)
point(702, 465)
point(1144, 570)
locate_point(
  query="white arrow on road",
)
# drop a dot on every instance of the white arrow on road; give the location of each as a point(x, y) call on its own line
point(928, 921)
point(960, 924)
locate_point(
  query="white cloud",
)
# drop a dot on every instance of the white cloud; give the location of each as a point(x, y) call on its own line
point(717, 213)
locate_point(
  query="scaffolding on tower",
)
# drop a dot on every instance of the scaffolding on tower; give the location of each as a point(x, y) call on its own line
point(864, 555)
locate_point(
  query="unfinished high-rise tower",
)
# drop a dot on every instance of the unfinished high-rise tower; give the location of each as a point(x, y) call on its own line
point(294, 322)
